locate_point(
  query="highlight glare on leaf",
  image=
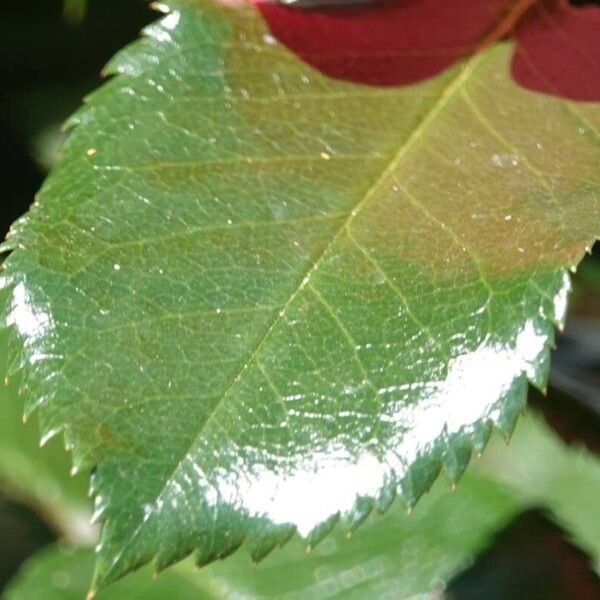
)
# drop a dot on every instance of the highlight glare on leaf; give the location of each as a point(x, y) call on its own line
point(38, 477)
point(398, 555)
point(405, 556)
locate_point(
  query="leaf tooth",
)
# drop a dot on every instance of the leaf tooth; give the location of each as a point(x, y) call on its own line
point(81, 460)
point(538, 367)
point(456, 457)
point(31, 402)
point(125, 563)
point(321, 530)
point(362, 508)
point(168, 555)
point(100, 505)
point(579, 255)
point(14, 240)
point(97, 515)
point(553, 311)
point(70, 440)
point(228, 545)
point(46, 436)
point(266, 537)
point(539, 373)
point(48, 429)
point(514, 401)
point(7, 246)
point(480, 435)
point(550, 336)
point(75, 119)
point(128, 61)
point(419, 478)
point(387, 495)
point(50, 426)
point(408, 497)
point(95, 485)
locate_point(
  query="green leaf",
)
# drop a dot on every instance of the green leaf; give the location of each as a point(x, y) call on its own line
point(39, 477)
point(262, 300)
point(396, 555)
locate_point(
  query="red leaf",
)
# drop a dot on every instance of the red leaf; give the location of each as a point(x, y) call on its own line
point(402, 42)
point(558, 51)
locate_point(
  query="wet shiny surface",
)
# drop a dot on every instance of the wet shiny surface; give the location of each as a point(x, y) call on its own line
point(39, 477)
point(264, 300)
point(390, 557)
point(394, 557)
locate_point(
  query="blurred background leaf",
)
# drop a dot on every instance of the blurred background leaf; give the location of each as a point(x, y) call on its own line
point(74, 11)
point(22, 532)
point(39, 478)
point(531, 559)
point(51, 58)
point(395, 556)
point(545, 472)
point(400, 556)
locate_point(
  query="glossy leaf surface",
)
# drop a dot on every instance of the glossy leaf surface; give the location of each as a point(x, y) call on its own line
point(398, 555)
point(263, 300)
point(34, 476)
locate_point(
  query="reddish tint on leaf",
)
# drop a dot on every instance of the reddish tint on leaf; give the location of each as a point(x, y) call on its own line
point(401, 42)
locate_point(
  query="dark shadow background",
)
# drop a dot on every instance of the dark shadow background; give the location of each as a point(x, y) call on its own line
point(49, 64)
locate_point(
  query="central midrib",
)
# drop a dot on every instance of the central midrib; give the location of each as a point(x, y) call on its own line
point(506, 25)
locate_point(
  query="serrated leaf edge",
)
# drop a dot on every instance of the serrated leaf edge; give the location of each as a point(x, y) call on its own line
point(446, 455)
